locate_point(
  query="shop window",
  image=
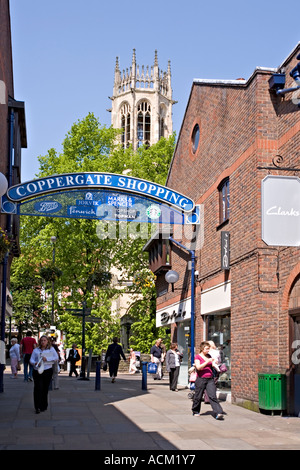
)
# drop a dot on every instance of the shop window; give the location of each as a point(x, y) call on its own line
point(224, 201)
point(218, 331)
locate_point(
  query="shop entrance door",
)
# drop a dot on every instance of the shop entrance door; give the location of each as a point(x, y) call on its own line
point(295, 363)
point(183, 340)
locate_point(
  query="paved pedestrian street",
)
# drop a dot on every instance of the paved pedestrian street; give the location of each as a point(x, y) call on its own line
point(123, 417)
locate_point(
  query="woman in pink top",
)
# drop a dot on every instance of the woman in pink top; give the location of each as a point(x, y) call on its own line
point(205, 381)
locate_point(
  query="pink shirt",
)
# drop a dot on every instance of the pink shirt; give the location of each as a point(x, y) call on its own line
point(206, 372)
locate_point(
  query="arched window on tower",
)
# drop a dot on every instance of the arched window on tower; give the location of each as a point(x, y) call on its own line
point(143, 124)
point(125, 125)
point(162, 124)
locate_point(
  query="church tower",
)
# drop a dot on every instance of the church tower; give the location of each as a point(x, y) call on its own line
point(142, 103)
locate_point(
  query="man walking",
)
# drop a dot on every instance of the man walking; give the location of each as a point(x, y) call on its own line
point(27, 345)
point(73, 357)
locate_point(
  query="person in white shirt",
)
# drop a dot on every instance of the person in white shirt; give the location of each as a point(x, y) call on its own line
point(47, 354)
point(14, 354)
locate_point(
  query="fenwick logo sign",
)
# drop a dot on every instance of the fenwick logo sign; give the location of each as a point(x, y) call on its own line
point(281, 210)
point(99, 180)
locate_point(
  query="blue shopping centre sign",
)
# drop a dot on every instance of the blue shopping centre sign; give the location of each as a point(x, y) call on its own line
point(106, 196)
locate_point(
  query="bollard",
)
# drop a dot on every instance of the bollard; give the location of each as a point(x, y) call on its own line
point(98, 376)
point(144, 375)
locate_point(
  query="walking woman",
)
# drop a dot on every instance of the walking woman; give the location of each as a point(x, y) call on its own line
point(205, 381)
point(47, 354)
point(14, 354)
point(173, 358)
point(112, 357)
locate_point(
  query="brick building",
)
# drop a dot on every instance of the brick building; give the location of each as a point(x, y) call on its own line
point(235, 133)
point(12, 139)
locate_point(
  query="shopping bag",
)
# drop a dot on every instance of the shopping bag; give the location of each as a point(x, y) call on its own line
point(193, 377)
point(152, 368)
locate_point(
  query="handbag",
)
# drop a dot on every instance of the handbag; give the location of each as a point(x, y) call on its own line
point(40, 366)
point(104, 367)
point(152, 368)
point(193, 377)
point(223, 368)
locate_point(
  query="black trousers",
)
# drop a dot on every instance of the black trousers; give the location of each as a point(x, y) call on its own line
point(41, 387)
point(113, 367)
point(173, 375)
point(209, 385)
point(73, 369)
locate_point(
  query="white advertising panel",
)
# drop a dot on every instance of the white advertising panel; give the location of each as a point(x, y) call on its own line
point(175, 313)
point(281, 210)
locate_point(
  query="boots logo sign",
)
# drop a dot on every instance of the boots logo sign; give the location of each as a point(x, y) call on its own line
point(281, 210)
point(174, 313)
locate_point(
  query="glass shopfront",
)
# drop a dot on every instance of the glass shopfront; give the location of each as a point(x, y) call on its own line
point(184, 346)
point(218, 331)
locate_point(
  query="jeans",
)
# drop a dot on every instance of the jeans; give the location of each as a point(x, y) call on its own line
point(27, 364)
point(207, 384)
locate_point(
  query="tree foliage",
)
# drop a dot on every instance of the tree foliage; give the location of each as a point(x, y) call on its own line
point(82, 258)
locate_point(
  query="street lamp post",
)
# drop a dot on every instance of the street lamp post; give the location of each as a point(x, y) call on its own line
point(53, 240)
point(173, 279)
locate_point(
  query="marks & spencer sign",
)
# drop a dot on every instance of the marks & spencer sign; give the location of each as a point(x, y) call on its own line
point(281, 210)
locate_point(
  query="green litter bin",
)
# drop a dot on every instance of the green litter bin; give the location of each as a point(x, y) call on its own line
point(272, 392)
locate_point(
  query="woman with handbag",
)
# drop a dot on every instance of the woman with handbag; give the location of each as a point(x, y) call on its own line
point(113, 357)
point(42, 359)
point(173, 358)
point(204, 364)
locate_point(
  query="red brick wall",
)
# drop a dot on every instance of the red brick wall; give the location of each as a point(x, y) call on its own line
point(242, 127)
point(6, 75)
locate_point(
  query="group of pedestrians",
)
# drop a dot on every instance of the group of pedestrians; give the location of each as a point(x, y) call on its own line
point(19, 351)
point(41, 365)
point(207, 370)
point(172, 359)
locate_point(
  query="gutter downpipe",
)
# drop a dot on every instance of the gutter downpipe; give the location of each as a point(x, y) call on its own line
point(5, 260)
point(192, 253)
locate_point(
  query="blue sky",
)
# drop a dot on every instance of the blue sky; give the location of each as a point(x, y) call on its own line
point(64, 53)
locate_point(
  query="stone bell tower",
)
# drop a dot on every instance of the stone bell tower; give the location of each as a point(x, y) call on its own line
point(142, 103)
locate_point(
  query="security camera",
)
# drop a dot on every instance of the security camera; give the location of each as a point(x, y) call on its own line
point(295, 73)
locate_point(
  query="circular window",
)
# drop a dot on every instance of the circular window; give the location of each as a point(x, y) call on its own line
point(195, 138)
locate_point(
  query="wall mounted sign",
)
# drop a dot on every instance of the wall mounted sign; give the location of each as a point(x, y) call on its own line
point(175, 313)
point(281, 210)
point(225, 251)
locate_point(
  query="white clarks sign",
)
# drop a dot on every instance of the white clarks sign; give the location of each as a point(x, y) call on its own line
point(175, 313)
point(281, 210)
